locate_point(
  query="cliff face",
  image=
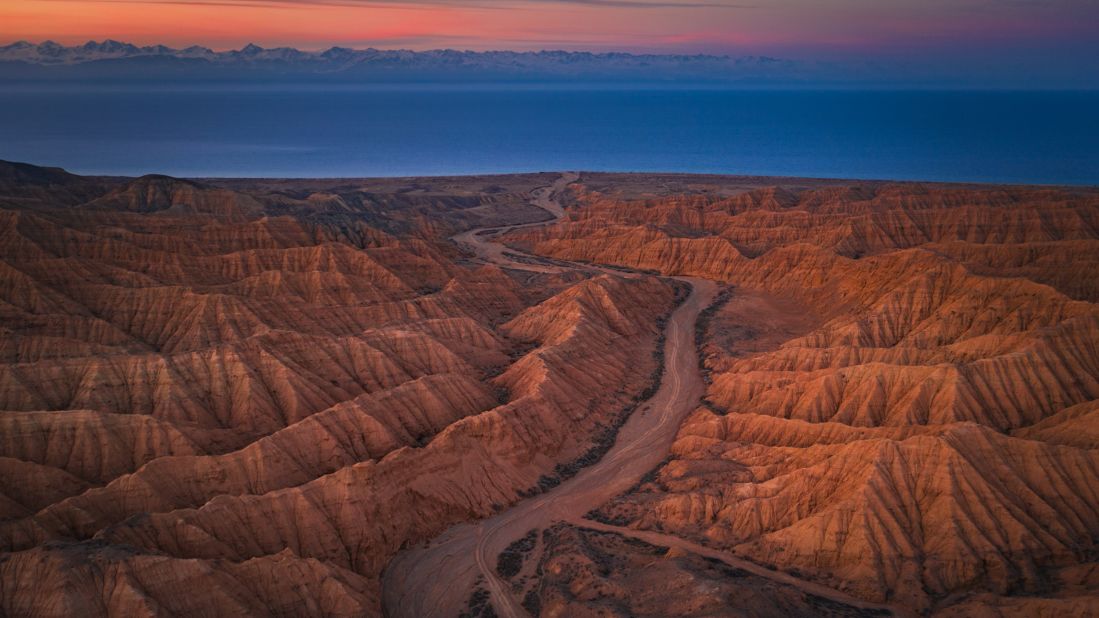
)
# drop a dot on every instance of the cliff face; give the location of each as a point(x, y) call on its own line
point(263, 393)
point(902, 384)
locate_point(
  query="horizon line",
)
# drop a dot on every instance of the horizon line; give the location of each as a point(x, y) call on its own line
point(376, 47)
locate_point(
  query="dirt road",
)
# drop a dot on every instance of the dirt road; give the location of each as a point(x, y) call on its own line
point(667, 540)
point(437, 579)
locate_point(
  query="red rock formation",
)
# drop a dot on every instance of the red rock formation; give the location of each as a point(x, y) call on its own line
point(903, 385)
point(310, 382)
point(263, 390)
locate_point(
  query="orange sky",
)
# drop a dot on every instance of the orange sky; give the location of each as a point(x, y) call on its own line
point(1001, 29)
point(230, 24)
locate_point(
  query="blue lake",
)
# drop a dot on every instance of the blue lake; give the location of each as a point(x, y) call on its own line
point(1018, 137)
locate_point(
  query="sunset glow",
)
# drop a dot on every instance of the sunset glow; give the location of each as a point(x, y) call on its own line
point(1003, 31)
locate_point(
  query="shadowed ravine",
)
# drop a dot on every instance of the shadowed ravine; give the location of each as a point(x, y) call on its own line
point(436, 579)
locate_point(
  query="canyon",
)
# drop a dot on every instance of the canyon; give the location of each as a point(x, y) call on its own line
point(559, 394)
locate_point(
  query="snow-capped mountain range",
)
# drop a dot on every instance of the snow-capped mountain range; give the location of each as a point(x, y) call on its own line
point(116, 59)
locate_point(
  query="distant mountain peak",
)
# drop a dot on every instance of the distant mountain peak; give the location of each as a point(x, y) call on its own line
point(337, 52)
point(121, 60)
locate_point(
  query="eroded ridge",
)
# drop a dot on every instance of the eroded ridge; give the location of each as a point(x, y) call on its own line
point(245, 397)
point(546, 394)
point(901, 384)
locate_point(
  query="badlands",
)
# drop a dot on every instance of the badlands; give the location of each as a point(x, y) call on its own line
point(547, 394)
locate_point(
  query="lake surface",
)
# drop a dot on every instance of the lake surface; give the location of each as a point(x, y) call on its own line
point(1017, 137)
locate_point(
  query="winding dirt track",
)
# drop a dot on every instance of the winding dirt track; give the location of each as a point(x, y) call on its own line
point(437, 579)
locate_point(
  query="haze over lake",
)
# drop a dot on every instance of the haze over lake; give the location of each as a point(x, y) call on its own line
point(988, 136)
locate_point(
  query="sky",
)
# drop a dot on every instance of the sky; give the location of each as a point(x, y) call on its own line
point(1022, 38)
